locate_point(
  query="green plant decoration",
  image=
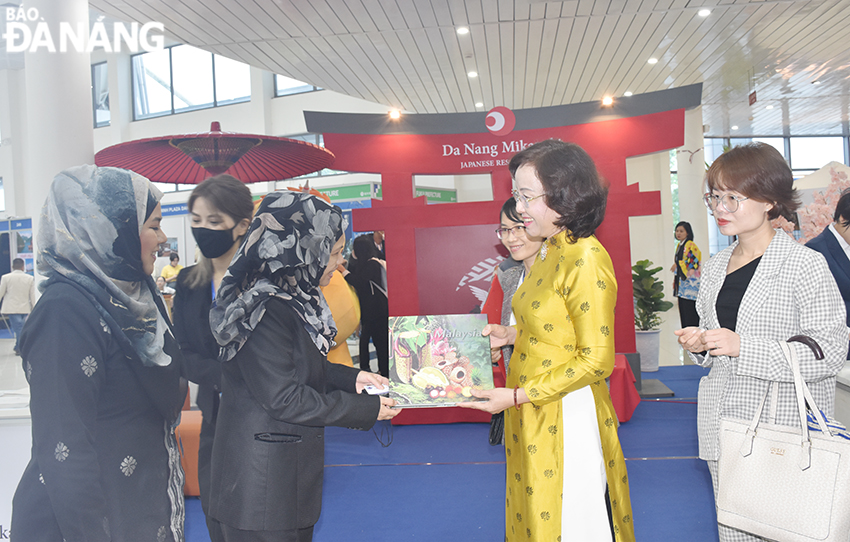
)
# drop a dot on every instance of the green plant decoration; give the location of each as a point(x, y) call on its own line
point(649, 296)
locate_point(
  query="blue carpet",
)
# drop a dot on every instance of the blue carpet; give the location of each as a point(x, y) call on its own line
point(445, 483)
point(672, 500)
point(413, 502)
point(683, 380)
point(661, 429)
point(446, 443)
point(196, 525)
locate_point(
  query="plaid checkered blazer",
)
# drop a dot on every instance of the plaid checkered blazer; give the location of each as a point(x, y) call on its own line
point(791, 293)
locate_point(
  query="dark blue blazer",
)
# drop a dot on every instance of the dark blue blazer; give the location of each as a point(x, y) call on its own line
point(839, 264)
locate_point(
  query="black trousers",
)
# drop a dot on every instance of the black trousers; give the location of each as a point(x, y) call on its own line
point(688, 312)
point(379, 333)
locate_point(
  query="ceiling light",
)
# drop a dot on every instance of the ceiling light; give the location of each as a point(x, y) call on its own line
point(704, 12)
point(653, 61)
point(734, 127)
point(463, 30)
point(607, 101)
point(627, 93)
point(479, 104)
point(395, 114)
point(768, 107)
point(816, 82)
point(472, 74)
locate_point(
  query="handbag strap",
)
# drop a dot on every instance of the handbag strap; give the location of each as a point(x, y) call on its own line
point(803, 396)
point(791, 355)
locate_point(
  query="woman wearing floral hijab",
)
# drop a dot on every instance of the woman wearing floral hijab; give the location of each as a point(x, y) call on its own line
point(278, 389)
point(103, 370)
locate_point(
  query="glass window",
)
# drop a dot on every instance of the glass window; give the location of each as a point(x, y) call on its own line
point(100, 94)
point(816, 152)
point(184, 78)
point(713, 148)
point(152, 84)
point(777, 143)
point(674, 183)
point(193, 78)
point(283, 86)
point(232, 81)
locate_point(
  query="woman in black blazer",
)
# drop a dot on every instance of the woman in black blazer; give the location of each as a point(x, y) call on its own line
point(278, 389)
point(220, 210)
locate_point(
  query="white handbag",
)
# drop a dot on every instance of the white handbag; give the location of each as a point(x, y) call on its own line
point(785, 483)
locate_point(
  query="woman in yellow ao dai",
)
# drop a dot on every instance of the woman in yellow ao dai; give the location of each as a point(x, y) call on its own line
point(565, 467)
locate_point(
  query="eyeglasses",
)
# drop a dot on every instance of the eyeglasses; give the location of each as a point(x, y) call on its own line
point(523, 198)
point(728, 201)
point(502, 233)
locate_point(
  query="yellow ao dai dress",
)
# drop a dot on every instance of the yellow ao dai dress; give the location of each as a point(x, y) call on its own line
point(565, 342)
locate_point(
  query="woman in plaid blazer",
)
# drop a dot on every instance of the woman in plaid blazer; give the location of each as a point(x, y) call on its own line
point(755, 294)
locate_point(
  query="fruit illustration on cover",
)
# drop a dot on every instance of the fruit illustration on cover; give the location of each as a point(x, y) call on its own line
point(438, 360)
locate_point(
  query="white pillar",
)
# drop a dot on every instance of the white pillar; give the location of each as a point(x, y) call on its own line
point(59, 122)
point(691, 180)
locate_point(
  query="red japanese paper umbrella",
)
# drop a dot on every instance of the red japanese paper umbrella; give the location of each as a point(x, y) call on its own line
point(191, 158)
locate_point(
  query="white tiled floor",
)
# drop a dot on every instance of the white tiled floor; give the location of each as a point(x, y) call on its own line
point(11, 371)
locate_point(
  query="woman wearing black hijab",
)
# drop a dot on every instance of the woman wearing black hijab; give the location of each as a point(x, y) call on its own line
point(103, 369)
point(278, 389)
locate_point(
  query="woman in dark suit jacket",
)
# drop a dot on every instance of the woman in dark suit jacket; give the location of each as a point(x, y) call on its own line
point(834, 242)
point(278, 389)
point(220, 209)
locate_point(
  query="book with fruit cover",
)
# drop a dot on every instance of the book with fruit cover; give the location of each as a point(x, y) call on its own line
point(437, 360)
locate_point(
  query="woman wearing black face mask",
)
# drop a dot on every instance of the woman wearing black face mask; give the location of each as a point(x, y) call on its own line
point(221, 208)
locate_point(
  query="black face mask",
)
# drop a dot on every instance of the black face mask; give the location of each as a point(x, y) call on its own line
point(213, 243)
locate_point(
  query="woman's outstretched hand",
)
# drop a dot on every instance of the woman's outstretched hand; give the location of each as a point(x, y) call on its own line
point(499, 335)
point(495, 400)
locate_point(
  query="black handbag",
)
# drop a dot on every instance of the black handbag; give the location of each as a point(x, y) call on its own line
point(497, 429)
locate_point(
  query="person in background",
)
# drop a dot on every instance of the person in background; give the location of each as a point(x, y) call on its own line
point(834, 243)
point(278, 389)
point(17, 290)
point(565, 467)
point(507, 278)
point(757, 293)
point(220, 210)
point(170, 271)
point(103, 370)
point(369, 278)
point(162, 287)
point(379, 237)
point(686, 273)
point(345, 308)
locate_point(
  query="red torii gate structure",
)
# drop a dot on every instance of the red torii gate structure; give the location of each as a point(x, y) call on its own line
point(461, 143)
point(416, 145)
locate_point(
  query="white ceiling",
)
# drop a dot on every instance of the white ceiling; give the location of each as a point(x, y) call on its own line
point(528, 53)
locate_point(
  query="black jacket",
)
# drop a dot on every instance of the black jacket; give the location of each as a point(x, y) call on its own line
point(191, 316)
point(278, 394)
point(370, 281)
